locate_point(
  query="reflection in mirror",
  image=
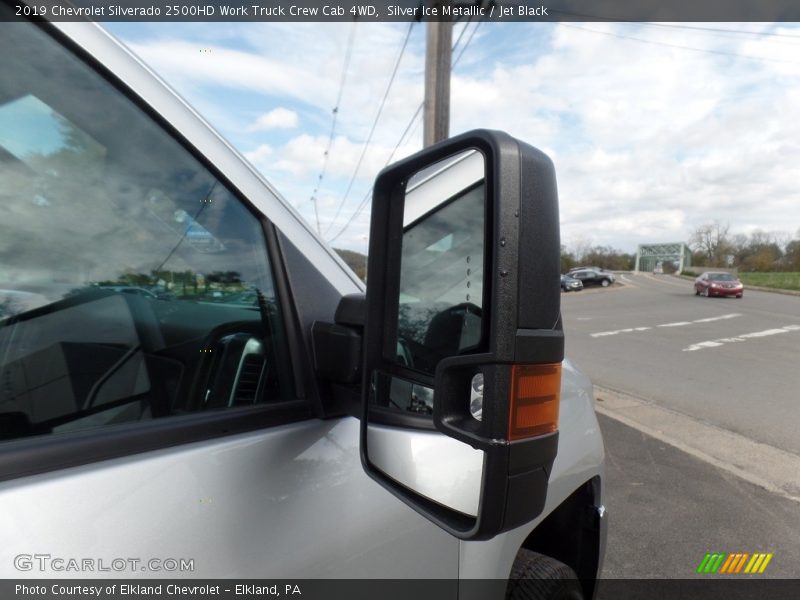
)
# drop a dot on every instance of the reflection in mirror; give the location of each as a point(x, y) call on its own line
point(440, 303)
point(438, 468)
point(412, 397)
point(441, 275)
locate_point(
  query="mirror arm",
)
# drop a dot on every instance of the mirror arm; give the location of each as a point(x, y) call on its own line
point(337, 347)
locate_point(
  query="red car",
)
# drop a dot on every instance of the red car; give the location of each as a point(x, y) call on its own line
point(718, 284)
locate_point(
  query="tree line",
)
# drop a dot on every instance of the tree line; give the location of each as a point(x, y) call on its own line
point(713, 245)
point(605, 257)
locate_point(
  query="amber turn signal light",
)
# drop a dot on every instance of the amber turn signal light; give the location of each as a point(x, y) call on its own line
point(535, 396)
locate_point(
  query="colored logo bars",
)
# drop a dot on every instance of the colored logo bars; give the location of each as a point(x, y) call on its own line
point(740, 562)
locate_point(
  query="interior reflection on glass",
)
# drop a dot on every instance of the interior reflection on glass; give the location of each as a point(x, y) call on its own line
point(410, 397)
point(116, 219)
point(88, 203)
point(441, 276)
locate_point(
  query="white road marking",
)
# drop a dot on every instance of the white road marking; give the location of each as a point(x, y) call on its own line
point(676, 324)
point(629, 330)
point(702, 345)
point(720, 318)
point(741, 338)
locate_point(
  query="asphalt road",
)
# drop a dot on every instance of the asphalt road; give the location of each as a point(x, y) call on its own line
point(710, 410)
point(733, 363)
point(667, 509)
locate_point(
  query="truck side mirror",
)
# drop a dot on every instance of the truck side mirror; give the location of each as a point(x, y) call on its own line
point(463, 341)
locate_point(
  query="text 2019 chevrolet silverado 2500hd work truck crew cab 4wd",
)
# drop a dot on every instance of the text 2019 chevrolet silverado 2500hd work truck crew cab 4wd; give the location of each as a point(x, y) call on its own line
point(255, 410)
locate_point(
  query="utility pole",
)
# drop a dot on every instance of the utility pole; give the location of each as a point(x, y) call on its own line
point(438, 51)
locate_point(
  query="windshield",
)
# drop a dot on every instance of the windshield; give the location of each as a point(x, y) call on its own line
point(721, 277)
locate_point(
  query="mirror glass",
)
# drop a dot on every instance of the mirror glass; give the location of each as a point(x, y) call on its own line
point(441, 278)
point(439, 314)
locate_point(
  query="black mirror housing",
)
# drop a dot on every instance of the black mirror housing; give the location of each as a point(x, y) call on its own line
point(522, 326)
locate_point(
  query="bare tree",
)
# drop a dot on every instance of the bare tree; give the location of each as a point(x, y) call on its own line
point(712, 241)
point(582, 246)
point(781, 238)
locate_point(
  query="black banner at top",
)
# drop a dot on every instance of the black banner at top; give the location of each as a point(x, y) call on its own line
point(405, 10)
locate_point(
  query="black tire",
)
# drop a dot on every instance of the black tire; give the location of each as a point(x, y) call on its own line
point(605, 282)
point(539, 577)
point(696, 292)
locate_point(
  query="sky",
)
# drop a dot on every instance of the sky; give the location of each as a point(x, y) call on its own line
point(654, 128)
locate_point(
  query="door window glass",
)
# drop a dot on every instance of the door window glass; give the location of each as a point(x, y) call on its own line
point(133, 284)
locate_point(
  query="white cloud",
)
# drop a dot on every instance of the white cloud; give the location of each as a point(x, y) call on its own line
point(260, 156)
point(648, 139)
point(277, 118)
point(650, 136)
point(180, 62)
point(309, 74)
point(294, 167)
point(305, 155)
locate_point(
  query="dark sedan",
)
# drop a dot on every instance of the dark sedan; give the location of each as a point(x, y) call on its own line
point(718, 284)
point(594, 277)
point(570, 284)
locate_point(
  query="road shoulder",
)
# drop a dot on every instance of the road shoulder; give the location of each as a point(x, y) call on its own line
point(768, 467)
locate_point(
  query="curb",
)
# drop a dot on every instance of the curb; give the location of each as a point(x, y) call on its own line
point(761, 464)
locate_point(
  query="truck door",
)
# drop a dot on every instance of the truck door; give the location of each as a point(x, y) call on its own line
point(155, 415)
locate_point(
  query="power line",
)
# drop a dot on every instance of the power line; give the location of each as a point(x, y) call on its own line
point(358, 210)
point(347, 56)
point(416, 114)
point(466, 45)
point(586, 17)
point(460, 35)
point(405, 132)
point(722, 30)
point(374, 125)
point(422, 104)
point(364, 200)
point(682, 47)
